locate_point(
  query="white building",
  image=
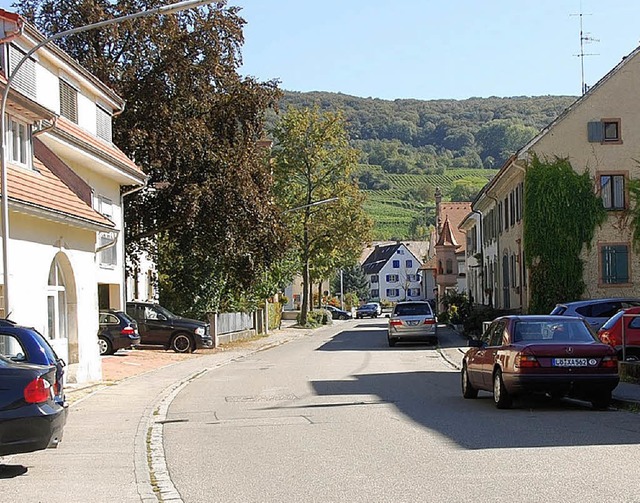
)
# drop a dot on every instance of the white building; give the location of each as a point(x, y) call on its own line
point(65, 178)
point(393, 273)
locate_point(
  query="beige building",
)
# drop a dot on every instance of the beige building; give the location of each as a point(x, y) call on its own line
point(599, 133)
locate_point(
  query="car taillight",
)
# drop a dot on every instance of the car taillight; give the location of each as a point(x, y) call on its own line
point(605, 337)
point(609, 362)
point(395, 323)
point(128, 331)
point(429, 321)
point(526, 361)
point(37, 391)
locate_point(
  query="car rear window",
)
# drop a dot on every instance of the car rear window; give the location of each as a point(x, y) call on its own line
point(413, 310)
point(558, 310)
point(552, 331)
point(612, 321)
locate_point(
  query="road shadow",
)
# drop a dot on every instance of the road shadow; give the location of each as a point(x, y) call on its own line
point(373, 337)
point(12, 471)
point(433, 400)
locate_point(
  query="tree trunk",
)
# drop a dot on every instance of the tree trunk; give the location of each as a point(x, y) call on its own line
point(304, 308)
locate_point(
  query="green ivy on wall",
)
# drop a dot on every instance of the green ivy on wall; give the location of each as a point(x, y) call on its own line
point(634, 212)
point(562, 212)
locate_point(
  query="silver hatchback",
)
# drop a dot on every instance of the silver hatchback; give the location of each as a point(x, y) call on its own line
point(412, 321)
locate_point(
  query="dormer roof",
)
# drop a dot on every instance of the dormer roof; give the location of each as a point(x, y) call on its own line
point(446, 237)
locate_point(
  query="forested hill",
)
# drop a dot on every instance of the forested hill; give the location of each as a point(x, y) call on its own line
point(461, 142)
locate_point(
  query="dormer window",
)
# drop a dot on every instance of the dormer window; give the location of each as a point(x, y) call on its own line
point(19, 143)
point(68, 101)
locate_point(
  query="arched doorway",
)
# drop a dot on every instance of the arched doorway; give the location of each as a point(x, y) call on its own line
point(62, 309)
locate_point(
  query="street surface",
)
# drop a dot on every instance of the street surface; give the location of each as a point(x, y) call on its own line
point(326, 415)
point(348, 419)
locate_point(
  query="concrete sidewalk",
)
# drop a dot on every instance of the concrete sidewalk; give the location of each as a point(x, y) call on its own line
point(626, 394)
point(105, 452)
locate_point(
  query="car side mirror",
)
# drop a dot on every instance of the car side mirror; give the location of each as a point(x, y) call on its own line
point(162, 317)
point(475, 343)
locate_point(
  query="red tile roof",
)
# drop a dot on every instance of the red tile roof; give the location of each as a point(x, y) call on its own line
point(455, 212)
point(103, 147)
point(42, 189)
point(446, 237)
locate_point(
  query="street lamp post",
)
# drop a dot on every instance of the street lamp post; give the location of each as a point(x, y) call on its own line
point(165, 9)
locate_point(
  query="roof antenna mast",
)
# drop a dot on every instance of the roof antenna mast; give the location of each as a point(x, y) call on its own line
point(585, 38)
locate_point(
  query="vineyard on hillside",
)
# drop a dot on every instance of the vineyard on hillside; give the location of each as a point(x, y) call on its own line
point(393, 210)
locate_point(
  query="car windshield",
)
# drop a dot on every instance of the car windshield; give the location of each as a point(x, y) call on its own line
point(413, 309)
point(552, 331)
point(613, 320)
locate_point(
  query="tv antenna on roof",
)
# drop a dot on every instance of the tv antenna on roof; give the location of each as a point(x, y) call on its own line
point(585, 38)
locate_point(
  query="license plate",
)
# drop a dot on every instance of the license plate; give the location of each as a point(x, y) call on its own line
point(569, 362)
point(413, 323)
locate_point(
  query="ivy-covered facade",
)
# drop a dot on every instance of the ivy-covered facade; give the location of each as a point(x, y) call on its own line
point(557, 222)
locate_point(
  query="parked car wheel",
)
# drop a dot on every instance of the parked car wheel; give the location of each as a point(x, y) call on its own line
point(342, 317)
point(601, 400)
point(182, 343)
point(468, 391)
point(500, 394)
point(105, 346)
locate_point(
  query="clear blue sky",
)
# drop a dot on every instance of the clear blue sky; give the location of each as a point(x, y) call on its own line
point(430, 49)
point(434, 49)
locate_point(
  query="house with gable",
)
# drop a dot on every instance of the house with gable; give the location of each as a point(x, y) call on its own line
point(445, 269)
point(66, 183)
point(599, 133)
point(392, 271)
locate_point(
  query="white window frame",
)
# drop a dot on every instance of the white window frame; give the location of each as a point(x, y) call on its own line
point(108, 257)
point(19, 148)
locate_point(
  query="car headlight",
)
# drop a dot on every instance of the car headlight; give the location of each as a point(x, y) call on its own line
point(200, 331)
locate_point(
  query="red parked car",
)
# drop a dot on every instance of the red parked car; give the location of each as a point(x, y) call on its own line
point(556, 355)
point(611, 333)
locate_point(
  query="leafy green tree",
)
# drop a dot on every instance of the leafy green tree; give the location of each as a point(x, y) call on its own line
point(313, 162)
point(192, 124)
point(466, 189)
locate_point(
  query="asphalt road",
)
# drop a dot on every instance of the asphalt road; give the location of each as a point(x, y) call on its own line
point(345, 418)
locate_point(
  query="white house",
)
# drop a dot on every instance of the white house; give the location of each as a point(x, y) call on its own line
point(393, 273)
point(65, 251)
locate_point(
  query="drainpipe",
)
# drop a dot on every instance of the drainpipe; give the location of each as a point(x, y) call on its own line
point(123, 294)
point(46, 128)
point(14, 34)
point(497, 269)
point(482, 286)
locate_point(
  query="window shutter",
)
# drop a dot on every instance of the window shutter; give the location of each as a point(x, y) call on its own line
point(621, 261)
point(25, 79)
point(595, 130)
point(68, 101)
point(103, 124)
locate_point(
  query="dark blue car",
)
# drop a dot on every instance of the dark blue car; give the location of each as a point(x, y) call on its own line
point(33, 410)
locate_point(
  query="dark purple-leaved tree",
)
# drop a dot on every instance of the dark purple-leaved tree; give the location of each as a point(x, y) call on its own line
point(192, 123)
